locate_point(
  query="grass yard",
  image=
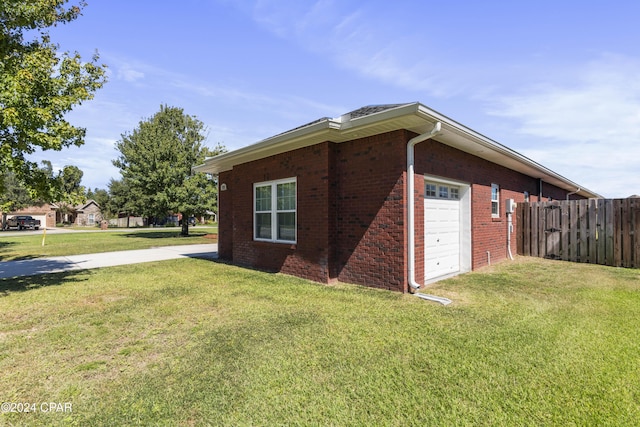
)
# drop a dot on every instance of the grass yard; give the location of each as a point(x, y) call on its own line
point(75, 243)
point(194, 342)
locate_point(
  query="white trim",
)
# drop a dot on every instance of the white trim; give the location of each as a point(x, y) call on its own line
point(414, 117)
point(273, 211)
point(496, 201)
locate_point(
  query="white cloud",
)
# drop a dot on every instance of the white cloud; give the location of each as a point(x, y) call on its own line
point(591, 127)
point(362, 40)
point(128, 74)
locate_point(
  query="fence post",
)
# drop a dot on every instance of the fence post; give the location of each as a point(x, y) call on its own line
point(635, 221)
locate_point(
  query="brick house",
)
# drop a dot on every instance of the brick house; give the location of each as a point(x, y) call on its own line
point(328, 201)
point(88, 213)
point(45, 212)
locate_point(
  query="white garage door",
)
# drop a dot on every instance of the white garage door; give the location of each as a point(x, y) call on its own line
point(442, 230)
point(43, 220)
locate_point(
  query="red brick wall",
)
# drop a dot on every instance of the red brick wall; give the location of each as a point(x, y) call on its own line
point(371, 247)
point(225, 216)
point(309, 258)
point(350, 213)
point(488, 234)
point(351, 209)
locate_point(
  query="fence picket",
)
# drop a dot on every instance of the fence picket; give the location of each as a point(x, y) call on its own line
point(591, 233)
point(608, 229)
point(598, 231)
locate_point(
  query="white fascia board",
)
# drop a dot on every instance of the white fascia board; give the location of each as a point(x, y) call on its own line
point(479, 145)
point(414, 117)
point(291, 140)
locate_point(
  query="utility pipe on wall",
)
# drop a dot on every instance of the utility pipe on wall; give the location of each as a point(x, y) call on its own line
point(411, 225)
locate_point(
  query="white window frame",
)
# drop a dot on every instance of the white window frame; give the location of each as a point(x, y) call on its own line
point(441, 190)
point(274, 211)
point(495, 201)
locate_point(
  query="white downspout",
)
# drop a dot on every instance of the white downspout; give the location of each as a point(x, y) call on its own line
point(509, 231)
point(573, 192)
point(411, 225)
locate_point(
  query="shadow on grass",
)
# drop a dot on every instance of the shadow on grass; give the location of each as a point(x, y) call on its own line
point(18, 258)
point(26, 283)
point(3, 248)
point(164, 234)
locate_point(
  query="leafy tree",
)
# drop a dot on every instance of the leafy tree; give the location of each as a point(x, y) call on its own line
point(70, 192)
point(14, 196)
point(101, 197)
point(69, 179)
point(38, 87)
point(155, 163)
point(119, 198)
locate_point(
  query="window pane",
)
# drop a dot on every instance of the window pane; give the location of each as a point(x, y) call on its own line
point(286, 196)
point(455, 194)
point(263, 226)
point(287, 226)
point(444, 192)
point(495, 199)
point(430, 190)
point(263, 198)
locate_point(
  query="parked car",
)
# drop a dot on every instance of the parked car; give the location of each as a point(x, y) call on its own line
point(23, 221)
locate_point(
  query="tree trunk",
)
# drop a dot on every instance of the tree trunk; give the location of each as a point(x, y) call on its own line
point(185, 226)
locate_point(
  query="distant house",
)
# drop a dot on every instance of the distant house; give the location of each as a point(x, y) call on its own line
point(388, 196)
point(46, 213)
point(88, 214)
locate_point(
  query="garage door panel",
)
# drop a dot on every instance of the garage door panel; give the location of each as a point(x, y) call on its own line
point(442, 237)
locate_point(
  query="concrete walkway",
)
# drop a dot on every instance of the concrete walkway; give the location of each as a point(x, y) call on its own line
point(106, 259)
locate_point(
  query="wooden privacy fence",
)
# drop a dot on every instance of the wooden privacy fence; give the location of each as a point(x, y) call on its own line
point(596, 231)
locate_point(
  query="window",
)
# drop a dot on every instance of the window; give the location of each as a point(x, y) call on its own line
point(495, 200)
point(275, 211)
point(441, 191)
point(91, 219)
point(430, 190)
point(526, 196)
point(455, 193)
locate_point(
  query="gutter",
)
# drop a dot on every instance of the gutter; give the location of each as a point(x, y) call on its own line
point(411, 221)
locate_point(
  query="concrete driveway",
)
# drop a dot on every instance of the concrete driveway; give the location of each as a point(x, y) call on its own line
point(106, 259)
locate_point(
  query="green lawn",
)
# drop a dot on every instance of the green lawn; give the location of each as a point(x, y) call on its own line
point(194, 342)
point(30, 245)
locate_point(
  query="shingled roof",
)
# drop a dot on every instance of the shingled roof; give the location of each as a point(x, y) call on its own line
point(371, 109)
point(360, 112)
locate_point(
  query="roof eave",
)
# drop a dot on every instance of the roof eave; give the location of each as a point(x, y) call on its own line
point(414, 117)
point(291, 140)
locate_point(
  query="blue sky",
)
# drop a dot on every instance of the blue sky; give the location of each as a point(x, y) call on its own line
point(558, 81)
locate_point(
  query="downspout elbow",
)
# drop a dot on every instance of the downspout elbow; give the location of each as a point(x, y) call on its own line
point(573, 192)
